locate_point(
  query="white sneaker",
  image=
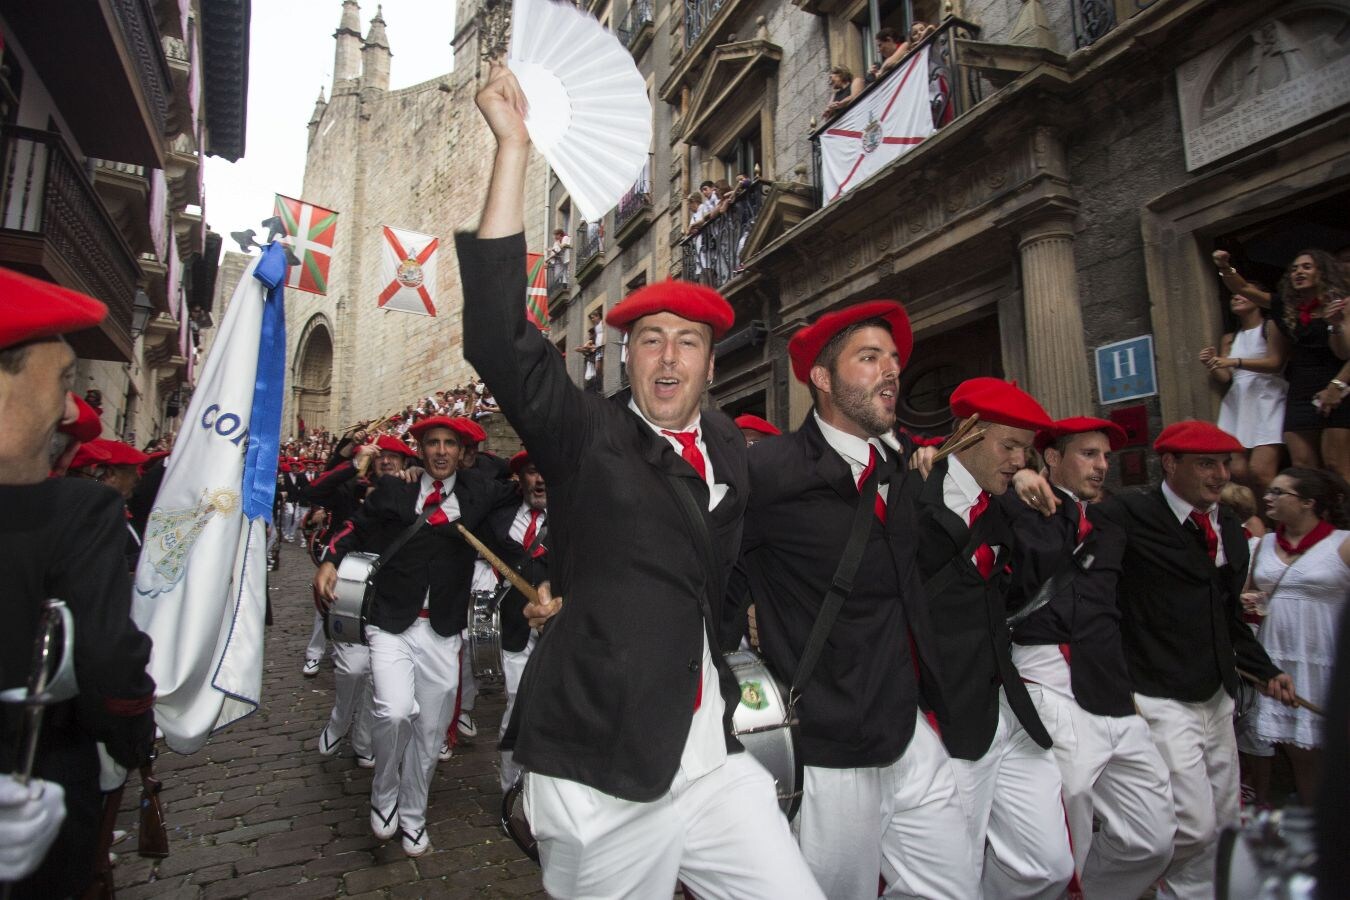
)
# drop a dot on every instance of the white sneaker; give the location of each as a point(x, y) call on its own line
point(310, 669)
point(446, 752)
point(415, 845)
point(365, 761)
point(384, 827)
point(466, 726)
point(328, 745)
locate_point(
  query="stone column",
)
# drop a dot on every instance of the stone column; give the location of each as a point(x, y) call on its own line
point(1057, 370)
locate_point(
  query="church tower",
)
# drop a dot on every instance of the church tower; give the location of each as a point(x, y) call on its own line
point(375, 55)
point(319, 106)
point(347, 58)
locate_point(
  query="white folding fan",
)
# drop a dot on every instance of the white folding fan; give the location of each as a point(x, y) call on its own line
point(589, 112)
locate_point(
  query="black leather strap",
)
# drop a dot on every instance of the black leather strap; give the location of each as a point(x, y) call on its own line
point(403, 538)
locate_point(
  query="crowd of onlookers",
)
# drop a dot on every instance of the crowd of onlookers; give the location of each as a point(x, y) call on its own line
point(845, 86)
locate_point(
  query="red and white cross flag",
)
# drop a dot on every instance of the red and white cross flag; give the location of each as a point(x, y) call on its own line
point(408, 270)
point(310, 231)
point(880, 127)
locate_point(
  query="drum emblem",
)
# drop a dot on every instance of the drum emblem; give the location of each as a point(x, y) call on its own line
point(752, 695)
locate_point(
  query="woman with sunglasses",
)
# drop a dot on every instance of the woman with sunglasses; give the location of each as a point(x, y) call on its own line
point(1301, 578)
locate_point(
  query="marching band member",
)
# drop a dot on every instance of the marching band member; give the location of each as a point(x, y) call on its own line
point(421, 597)
point(341, 491)
point(879, 792)
point(62, 538)
point(622, 723)
point(1009, 782)
point(1070, 652)
point(1183, 570)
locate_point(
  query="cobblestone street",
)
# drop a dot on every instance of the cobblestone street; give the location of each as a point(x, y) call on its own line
point(258, 813)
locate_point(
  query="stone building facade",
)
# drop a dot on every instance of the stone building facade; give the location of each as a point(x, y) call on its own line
point(416, 158)
point(1094, 153)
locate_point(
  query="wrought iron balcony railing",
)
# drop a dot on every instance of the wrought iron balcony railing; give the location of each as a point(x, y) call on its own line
point(697, 15)
point(557, 273)
point(46, 196)
point(638, 198)
point(590, 243)
point(712, 252)
point(639, 17)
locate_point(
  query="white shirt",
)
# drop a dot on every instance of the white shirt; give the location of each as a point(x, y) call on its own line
point(715, 491)
point(521, 524)
point(449, 505)
point(855, 451)
point(1182, 510)
point(960, 491)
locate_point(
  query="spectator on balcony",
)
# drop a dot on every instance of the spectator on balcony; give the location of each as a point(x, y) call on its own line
point(890, 50)
point(594, 350)
point(919, 31)
point(558, 257)
point(844, 87)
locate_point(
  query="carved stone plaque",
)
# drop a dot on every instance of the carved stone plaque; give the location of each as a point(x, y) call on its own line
point(1258, 83)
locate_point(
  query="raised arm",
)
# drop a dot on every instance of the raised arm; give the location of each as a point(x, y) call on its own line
point(1236, 283)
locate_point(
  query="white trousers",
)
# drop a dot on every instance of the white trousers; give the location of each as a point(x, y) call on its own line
point(721, 834)
point(513, 666)
point(295, 513)
point(1112, 770)
point(415, 675)
point(904, 821)
point(1199, 747)
point(1016, 820)
point(352, 696)
point(317, 639)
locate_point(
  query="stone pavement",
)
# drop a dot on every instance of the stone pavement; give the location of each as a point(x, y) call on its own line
point(258, 813)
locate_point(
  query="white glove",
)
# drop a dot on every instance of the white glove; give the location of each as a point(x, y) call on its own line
point(29, 819)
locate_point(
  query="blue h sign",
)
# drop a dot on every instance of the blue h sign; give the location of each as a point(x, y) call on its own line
point(1125, 370)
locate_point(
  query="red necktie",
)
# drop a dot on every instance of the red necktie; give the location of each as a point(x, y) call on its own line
point(880, 505)
point(984, 554)
point(434, 499)
point(532, 531)
point(1084, 526)
point(689, 450)
point(1211, 539)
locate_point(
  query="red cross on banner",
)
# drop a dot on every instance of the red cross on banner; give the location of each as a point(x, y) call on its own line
point(409, 268)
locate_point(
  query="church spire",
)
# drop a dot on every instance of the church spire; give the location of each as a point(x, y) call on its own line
point(347, 59)
point(375, 55)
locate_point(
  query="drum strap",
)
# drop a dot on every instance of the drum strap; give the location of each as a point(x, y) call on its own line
point(403, 538)
point(840, 587)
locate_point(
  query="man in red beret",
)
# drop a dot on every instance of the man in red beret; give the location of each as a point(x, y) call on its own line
point(63, 538)
point(625, 709)
point(879, 793)
point(1008, 778)
point(1067, 646)
point(421, 597)
point(755, 429)
point(1184, 567)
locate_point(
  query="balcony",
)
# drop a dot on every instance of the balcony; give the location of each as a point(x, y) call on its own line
point(557, 275)
point(1092, 19)
point(590, 251)
point(54, 226)
point(637, 27)
point(698, 14)
point(123, 115)
point(712, 254)
point(635, 207)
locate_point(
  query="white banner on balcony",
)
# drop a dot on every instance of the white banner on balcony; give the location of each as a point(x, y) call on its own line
point(880, 127)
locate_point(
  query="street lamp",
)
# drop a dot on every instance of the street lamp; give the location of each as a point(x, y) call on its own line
point(140, 313)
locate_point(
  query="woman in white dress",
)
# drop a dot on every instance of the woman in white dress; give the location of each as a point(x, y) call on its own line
point(1250, 361)
point(1301, 579)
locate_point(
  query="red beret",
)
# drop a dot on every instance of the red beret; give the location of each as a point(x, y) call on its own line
point(106, 452)
point(151, 457)
point(685, 299)
point(90, 454)
point(755, 423)
point(87, 424)
point(394, 445)
point(998, 402)
point(1193, 436)
point(519, 461)
point(1115, 435)
point(807, 343)
point(31, 309)
point(469, 431)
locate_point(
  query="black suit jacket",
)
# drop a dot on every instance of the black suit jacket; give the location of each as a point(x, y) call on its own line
point(436, 559)
point(1182, 616)
point(858, 709)
point(608, 695)
point(1082, 614)
point(969, 617)
point(515, 630)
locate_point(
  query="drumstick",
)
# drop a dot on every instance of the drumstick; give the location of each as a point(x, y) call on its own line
point(510, 574)
point(961, 432)
point(1298, 701)
point(949, 447)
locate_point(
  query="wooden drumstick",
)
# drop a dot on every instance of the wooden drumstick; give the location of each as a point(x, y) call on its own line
point(961, 432)
point(951, 447)
point(510, 574)
point(1298, 701)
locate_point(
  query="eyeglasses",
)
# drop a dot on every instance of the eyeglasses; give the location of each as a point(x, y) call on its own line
point(1277, 493)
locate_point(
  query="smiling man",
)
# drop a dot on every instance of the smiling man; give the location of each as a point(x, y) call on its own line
point(623, 720)
point(879, 794)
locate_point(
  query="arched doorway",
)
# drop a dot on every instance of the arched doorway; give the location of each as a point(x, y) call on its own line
point(312, 375)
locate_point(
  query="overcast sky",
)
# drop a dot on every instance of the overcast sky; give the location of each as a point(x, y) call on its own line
point(290, 58)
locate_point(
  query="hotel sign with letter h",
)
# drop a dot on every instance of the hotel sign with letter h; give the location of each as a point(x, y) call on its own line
point(1125, 370)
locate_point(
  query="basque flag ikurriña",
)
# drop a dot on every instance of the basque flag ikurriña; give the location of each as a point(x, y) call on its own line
point(201, 585)
point(879, 127)
point(310, 232)
point(536, 291)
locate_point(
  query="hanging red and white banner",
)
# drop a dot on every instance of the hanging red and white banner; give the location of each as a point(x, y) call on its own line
point(408, 264)
point(878, 129)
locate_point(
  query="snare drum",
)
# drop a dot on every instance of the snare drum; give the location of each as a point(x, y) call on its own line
point(761, 724)
point(485, 636)
point(347, 617)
